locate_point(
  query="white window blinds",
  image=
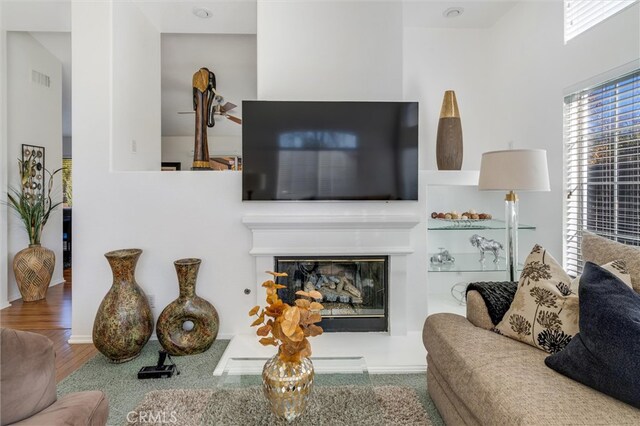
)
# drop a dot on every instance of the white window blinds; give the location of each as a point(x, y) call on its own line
point(602, 145)
point(580, 15)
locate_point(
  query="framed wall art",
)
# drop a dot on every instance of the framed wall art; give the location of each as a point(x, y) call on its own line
point(33, 171)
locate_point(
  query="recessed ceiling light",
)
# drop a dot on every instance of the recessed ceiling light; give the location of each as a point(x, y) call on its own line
point(201, 12)
point(453, 12)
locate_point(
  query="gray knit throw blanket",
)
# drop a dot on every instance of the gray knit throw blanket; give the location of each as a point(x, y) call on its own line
point(497, 296)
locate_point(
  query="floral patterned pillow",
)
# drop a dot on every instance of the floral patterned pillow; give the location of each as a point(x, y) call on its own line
point(544, 311)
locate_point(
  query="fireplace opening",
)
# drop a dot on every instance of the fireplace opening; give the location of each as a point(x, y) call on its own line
point(354, 289)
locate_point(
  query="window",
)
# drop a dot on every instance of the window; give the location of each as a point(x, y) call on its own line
point(602, 144)
point(580, 15)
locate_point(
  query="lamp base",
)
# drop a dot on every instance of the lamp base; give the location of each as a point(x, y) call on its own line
point(511, 235)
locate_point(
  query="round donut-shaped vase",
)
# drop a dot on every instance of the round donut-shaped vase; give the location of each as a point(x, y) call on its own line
point(189, 324)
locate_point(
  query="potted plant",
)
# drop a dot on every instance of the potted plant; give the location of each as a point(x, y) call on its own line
point(287, 378)
point(33, 266)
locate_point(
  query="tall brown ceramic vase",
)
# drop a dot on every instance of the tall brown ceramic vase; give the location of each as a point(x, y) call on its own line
point(172, 333)
point(124, 322)
point(33, 268)
point(449, 139)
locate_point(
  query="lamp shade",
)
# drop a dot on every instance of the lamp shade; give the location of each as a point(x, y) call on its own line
point(514, 170)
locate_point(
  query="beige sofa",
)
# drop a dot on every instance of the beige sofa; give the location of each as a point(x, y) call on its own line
point(477, 377)
point(28, 386)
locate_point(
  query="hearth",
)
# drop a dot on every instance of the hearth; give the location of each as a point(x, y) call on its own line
point(354, 288)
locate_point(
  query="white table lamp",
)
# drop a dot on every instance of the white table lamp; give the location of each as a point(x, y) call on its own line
point(513, 170)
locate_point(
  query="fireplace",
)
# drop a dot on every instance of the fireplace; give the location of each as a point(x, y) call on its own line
point(354, 288)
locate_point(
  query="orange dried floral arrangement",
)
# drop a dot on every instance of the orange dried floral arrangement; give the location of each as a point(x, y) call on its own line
point(288, 326)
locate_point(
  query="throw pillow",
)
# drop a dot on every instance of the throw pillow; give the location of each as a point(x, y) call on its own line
point(544, 311)
point(605, 355)
point(600, 250)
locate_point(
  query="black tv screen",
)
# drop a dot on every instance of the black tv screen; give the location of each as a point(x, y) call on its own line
point(329, 151)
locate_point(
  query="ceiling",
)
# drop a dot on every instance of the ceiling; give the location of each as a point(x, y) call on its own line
point(232, 57)
point(227, 16)
point(240, 16)
point(476, 14)
point(36, 15)
point(224, 42)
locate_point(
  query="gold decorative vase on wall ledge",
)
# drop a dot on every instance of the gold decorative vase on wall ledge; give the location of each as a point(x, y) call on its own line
point(449, 138)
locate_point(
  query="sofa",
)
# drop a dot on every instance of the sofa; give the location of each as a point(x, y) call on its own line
point(28, 386)
point(478, 377)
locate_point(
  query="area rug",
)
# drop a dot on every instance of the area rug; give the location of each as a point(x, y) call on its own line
point(329, 405)
point(125, 391)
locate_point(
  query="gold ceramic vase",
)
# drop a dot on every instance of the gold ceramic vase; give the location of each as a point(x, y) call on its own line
point(287, 386)
point(124, 320)
point(449, 137)
point(33, 268)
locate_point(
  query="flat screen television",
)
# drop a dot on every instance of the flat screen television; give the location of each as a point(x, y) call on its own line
point(300, 151)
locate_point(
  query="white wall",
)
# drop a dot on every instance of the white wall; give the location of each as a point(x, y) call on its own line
point(329, 50)
point(437, 60)
point(180, 148)
point(198, 214)
point(136, 90)
point(34, 117)
point(532, 69)
point(510, 80)
point(4, 231)
point(168, 215)
point(316, 50)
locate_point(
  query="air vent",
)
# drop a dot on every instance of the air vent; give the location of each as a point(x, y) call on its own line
point(40, 78)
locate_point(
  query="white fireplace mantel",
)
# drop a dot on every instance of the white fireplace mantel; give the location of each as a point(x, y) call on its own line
point(339, 235)
point(330, 222)
point(331, 234)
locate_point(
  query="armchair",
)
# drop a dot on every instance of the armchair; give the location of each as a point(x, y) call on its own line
point(28, 386)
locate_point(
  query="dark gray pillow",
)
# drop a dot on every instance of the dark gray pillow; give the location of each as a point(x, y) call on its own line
point(605, 354)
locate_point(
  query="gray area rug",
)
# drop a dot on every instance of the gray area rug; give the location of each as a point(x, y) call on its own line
point(125, 391)
point(329, 405)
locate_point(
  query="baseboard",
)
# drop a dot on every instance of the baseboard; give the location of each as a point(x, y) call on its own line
point(5, 304)
point(83, 339)
point(57, 282)
point(80, 339)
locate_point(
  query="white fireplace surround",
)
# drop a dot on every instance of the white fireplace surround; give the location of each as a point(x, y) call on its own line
point(396, 351)
point(334, 235)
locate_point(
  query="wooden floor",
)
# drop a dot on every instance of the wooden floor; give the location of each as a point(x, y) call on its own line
point(52, 318)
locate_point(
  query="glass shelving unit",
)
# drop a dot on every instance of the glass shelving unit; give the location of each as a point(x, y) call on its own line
point(458, 190)
point(470, 262)
point(466, 225)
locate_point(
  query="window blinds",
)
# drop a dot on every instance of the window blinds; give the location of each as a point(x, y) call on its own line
point(580, 15)
point(602, 164)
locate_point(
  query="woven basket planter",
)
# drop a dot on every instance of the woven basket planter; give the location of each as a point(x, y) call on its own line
point(33, 268)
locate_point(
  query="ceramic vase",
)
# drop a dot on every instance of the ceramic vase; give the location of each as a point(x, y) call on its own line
point(449, 138)
point(33, 268)
point(124, 322)
point(189, 324)
point(287, 386)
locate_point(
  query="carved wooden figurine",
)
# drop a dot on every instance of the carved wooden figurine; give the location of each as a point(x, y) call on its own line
point(204, 85)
